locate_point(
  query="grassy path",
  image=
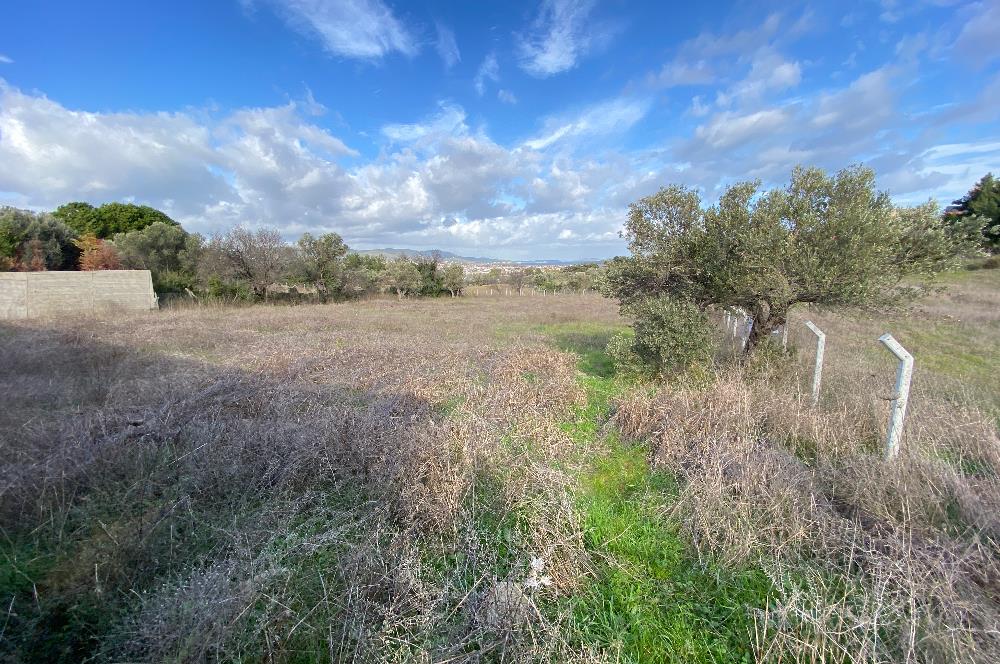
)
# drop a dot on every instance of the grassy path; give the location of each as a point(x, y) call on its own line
point(651, 599)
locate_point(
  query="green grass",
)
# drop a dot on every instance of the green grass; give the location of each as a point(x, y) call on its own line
point(651, 599)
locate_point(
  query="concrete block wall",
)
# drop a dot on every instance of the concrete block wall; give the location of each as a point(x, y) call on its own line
point(37, 294)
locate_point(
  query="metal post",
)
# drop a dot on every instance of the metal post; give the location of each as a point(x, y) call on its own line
point(820, 347)
point(904, 372)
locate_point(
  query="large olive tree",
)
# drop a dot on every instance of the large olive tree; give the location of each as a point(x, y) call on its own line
point(831, 240)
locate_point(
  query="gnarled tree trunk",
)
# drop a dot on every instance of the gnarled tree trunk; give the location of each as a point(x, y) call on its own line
point(766, 319)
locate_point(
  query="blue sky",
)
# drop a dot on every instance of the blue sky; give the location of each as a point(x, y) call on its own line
point(517, 130)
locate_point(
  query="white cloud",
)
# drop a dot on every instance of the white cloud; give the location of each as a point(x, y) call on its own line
point(769, 73)
point(6, 59)
point(489, 70)
point(979, 40)
point(450, 120)
point(506, 96)
point(560, 36)
point(728, 130)
point(364, 29)
point(680, 72)
point(447, 47)
point(616, 115)
point(710, 45)
point(437, 183)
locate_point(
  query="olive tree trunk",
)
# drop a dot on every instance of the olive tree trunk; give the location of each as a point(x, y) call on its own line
point(766, 320)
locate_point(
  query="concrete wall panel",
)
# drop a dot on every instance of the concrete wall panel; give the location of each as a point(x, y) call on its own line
point(13, 295)
point(34, 294)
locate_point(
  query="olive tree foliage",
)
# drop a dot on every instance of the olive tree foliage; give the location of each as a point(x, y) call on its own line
point(828, 240)
point(670, 336)
point(453, 278)
point(404, 277)
point(320, 261)
point(255, 259)
point(362, 274)
point(170, 253)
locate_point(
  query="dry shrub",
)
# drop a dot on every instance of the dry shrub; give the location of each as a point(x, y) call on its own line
point(871, 560)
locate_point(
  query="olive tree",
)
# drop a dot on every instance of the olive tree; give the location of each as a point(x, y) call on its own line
point(404, 277)
point(320, 261)
point(169, 252)
point(829, 240)
point(453, 278)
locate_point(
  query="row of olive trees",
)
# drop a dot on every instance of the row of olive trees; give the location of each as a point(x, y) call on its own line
point(822, 240)
point(576, 278)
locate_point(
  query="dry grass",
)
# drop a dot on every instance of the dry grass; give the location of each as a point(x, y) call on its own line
point(871, 561)
point(343, 481)
point(371, 481)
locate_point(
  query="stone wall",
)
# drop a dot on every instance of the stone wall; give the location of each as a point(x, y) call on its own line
point(37, 294)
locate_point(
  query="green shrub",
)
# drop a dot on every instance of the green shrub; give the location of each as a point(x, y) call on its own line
point(671, 336)
point(228, 290)
point(621, 350)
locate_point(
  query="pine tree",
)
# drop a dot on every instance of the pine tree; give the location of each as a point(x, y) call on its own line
point(982, 203)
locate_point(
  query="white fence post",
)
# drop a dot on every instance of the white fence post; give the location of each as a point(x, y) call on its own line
point(820, 347)
point(747, 328)
point(784, 335)
point(904, 372)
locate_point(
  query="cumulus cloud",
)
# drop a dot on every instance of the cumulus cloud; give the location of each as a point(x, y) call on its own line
point(6, 60)
point(363, 29)
point(447, 47)
point(560, 35)
point(439, 183)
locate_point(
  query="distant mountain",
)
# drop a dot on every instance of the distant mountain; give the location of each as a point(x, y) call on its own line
point(451, 256)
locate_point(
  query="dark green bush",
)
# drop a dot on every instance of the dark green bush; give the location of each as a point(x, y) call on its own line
point(672, 336)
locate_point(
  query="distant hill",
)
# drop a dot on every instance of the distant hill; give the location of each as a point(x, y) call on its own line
point(451, 256)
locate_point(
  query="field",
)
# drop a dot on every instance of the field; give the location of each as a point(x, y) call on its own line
point(468, 479)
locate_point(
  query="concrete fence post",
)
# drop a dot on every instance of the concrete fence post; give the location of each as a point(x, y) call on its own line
point(818, 371)
point(784, 336)
point(904, 373)
point(747, 328)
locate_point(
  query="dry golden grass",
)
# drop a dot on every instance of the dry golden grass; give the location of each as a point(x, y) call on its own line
point(372, 481)
point(342, 481)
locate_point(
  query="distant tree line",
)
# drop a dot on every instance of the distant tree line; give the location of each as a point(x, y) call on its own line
point(239, 264)
point(242, 263)
point(576, 278)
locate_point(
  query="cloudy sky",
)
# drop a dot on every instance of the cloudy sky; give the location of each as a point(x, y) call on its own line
point(507, 129)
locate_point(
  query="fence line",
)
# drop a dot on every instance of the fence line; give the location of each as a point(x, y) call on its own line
point(737, 325)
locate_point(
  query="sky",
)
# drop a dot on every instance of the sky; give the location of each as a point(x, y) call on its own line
point(517, 130)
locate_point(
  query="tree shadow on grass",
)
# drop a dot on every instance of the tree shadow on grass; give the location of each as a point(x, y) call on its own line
point(127, 476)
